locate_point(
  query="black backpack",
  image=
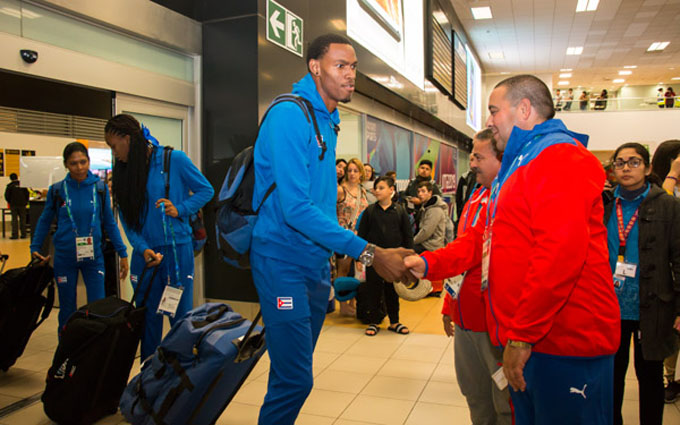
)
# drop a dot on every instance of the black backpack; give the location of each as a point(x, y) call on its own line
point(235, 217)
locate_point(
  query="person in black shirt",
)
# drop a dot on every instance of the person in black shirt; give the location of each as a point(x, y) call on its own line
point(386, 224)
point(17, 198)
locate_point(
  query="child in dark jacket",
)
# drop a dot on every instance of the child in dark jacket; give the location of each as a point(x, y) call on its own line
point(385, 224)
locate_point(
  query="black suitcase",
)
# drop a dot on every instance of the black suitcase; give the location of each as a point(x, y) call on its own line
point(23, 307)
point(92, 363)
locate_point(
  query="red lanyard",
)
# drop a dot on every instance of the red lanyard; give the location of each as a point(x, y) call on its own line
point(623, 233)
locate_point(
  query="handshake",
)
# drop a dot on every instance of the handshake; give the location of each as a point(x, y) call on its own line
point(398, 265)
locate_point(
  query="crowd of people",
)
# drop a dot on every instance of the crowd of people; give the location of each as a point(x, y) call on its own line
point(546, 282)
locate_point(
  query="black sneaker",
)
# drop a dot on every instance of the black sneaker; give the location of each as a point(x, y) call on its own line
point(671, 392)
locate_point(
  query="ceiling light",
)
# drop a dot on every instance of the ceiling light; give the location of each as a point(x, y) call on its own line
point(563, 83)
point(566, 69)
point(618, 80)
point(630, 66)
point(658, 45)
point(505, 73)
point(675, 78)
point(339, 24)
point(481, 12)
point(587, 5)
point(661, 82)
point(625, 72)
point(496, 54)
point(575, 50)
point(566, 75)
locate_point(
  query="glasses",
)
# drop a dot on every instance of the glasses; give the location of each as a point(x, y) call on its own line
point(633, 162)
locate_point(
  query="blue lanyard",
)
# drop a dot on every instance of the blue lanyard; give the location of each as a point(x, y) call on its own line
point(174, 245)
point(467, 210)
point(67, 203)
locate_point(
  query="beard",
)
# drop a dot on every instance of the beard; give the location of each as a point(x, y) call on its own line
point(346, 100)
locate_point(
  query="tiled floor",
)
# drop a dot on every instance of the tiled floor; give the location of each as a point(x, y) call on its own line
point(387, 379)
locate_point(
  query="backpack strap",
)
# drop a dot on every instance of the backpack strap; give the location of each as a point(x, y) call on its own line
point(57, 199)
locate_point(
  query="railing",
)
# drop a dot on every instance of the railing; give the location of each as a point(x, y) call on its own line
point(617, 104)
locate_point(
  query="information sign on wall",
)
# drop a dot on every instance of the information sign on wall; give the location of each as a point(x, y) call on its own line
point(12, 157)
point(284, 28)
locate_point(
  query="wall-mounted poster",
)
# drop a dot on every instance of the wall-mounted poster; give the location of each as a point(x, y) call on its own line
point(389, 148)
point(426, 148)
point(392, 31)
point(12, 157)
point(473, 114)
point(448, 158)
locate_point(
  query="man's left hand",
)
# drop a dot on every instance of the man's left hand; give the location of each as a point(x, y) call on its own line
point(514, 359)
point(389, 264)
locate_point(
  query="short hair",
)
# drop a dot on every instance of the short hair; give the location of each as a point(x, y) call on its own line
point(339, 160)
point(359, 165)
point(428, 185)
point(13, 176)
point(319, 46)
point(389, 181)
point(74, 147)
point(426, 162)
point(487, 134)
point(392, 174)
point(664, 154)
point(532, 88)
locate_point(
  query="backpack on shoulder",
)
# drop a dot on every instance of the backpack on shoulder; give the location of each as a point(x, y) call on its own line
point(235, 217)
point(199, 236)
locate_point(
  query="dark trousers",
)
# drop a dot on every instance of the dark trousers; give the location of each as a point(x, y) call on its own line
point(649, 375)
point(376, 293)
point(18, 221)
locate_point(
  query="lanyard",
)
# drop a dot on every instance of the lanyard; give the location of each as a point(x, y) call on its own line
point(174, 245)
point(68, 208)
point(623, 233)
point(467, 210)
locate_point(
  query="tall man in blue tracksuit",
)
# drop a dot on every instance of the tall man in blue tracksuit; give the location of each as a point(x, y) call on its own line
point(297, 227)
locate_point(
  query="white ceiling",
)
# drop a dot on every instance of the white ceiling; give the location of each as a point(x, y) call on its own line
point(534, 36)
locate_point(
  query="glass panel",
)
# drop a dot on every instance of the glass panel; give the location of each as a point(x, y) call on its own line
point(168, 131)
point(350, 137)
point(10, 17)
point(49, 27)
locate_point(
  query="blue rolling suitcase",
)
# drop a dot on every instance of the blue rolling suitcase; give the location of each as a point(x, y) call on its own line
point(197, 369)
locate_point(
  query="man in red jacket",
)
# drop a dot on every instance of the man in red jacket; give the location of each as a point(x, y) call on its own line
point(464, 311)
point(544, 263)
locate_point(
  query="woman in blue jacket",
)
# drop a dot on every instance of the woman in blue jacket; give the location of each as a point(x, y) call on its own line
point(82, 207)
point(156, 225)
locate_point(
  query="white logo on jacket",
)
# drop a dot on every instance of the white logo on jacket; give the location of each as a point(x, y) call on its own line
point(573, 390)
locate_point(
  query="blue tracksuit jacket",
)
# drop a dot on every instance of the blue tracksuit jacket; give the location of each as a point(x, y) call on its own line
point(80, 197)
point(298, 222)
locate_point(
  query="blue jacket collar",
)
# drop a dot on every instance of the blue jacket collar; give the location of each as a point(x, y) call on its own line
point(307, 89)
point(90, 179)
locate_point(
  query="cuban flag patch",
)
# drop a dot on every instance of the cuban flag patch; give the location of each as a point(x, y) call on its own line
point(62, 279)
point(284, 303)
point(133, 278)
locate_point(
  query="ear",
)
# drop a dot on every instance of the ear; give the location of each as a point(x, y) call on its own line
point(314, 67)
point(524, 108)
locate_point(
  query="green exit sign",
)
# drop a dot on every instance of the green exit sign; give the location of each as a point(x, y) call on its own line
point(284, 28)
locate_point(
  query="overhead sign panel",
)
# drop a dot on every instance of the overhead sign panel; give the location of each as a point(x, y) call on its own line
point(284, 28)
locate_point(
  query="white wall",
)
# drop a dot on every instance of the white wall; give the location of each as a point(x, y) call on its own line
point(608, 130)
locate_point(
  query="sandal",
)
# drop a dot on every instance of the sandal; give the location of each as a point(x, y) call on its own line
point(399, 328)
point(372, 330)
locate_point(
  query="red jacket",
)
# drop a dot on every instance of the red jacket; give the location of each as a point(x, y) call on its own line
point(549, 278)
point(469, 310)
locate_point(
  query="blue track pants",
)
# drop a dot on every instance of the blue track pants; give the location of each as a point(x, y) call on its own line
point(293, 301)
point(66, 275)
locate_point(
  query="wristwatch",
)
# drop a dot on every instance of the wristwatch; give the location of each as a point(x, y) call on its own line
point(367, 255)
point(519, 344)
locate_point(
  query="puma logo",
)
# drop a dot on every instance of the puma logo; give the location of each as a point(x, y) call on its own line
point(573, 390)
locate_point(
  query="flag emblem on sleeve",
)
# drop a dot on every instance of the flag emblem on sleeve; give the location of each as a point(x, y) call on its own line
point(284, 303)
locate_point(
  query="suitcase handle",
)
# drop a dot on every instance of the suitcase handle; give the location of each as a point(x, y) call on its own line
point(139, 285)
point(251, 342)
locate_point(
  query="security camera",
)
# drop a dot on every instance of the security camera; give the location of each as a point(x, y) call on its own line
point(29, 56)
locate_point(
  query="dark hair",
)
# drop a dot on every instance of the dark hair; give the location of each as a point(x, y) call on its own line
point(372, 176)
point(391, 173)
point(339, 160)
point(129, 178)
point(487, 134)
point(664, 154)
point(428, 185)
point(319, 46)
point(389, 181)
point(72, 148)
point(13, 176)
point(640, 150)
point(529, 87)
point(426, 162)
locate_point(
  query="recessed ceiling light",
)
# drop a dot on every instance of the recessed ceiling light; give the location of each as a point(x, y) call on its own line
point(658, 45)
point(587, 5)
point(563, 83)
point(625, 72)
point(566, 69)
point(505, 73)
point(496, 54)
point(675, 78)
point(481, 12)
point(566, 75)
point(618, 80)
point(671, 68)
point(661, 82)
point(630, 66)
point(575, 50)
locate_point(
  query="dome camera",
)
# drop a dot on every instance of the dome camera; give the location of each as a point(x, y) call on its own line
point(29, 56)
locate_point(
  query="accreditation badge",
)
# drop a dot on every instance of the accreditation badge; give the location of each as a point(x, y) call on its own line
point(84, 248)
point(170, 300)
